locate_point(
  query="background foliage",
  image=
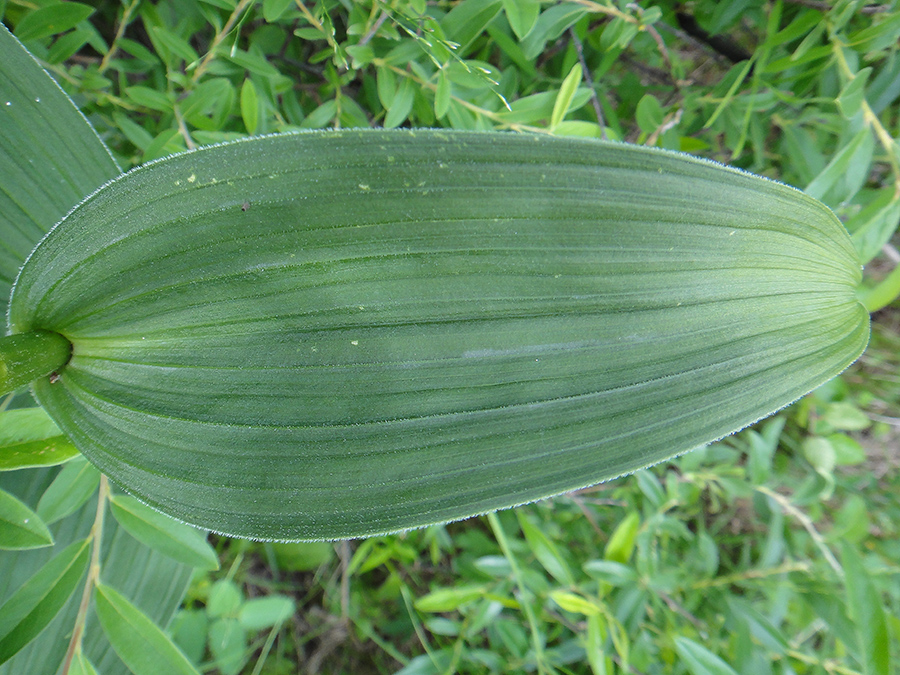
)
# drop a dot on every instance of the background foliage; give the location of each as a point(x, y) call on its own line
point(775, 551)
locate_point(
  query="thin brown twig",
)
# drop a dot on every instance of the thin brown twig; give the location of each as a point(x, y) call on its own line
point(182, 128)
point(589, 78)
point(329, 38)
point(609, 10)
point(665, 53)
point(892, 421)
point(750, 575)
point(788, 507)
point(684, 36)
point(374, 29)
point(890, 251)
point(579, 502)
point(344, 555)
point(217, 40)
point(678, 609)
point(120, 31)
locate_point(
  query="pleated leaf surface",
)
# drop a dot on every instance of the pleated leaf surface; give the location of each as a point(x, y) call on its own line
point(336, 334)
point(50, 157)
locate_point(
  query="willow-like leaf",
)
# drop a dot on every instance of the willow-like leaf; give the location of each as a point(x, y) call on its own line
point(29, 438)
point(336, 334)
point(35, 604)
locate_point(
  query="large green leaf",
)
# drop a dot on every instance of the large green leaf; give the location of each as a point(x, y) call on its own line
point(50, 157)
point(335, 334)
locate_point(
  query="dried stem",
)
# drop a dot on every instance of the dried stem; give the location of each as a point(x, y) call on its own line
point(589, 78)
point(120, 31)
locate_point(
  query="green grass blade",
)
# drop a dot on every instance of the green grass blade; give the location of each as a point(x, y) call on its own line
point(338, 334)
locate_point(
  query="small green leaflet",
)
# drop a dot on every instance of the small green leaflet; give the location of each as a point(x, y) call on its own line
point(271, 610)
point(20, 527)
point(28, 611)
point(699, 660)
point(55, 18)
point(29, 437)
point(522, 15)
point(545, 551)
point(143, 647)
point(182, 542)
point(566, 94)
point(71, 488)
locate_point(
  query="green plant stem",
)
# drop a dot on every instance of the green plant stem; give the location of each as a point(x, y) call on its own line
point(24, 357)
point(93, 575)
point(871, 120)
point(524, 593)
point(267, 647)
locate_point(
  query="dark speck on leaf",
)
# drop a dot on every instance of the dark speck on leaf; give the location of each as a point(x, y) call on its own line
point(245, 206)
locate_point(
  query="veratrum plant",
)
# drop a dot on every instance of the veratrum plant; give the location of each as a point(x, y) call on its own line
point(336, 334)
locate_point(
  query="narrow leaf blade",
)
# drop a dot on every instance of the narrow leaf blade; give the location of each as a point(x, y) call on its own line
point(55, 18)
point(699, 660)
point(545, 551)
point(143, 647)
point(71, 488)
point(868, 615)
point(177, 540)
point(82, 666)
point(20, 527)
point(249, 106)
point(29, 437)
point(566, 94)
point(28, 611)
